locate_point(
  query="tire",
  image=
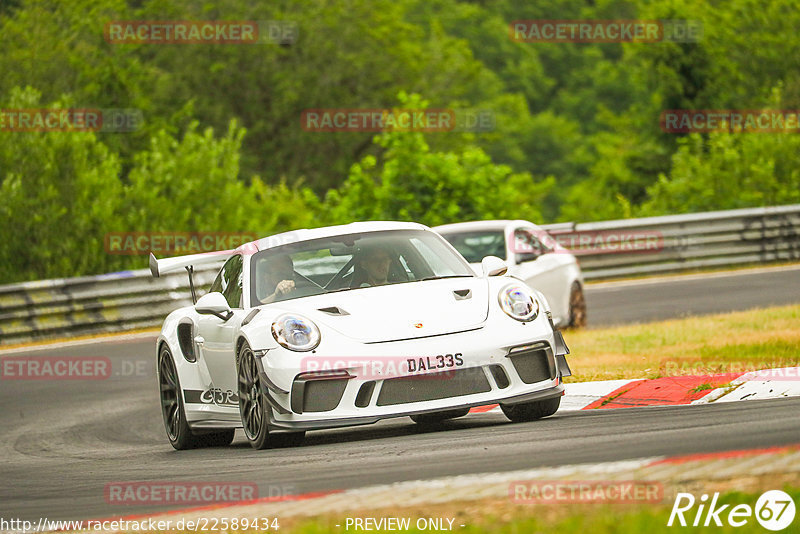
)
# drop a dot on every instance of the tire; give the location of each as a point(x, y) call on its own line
point(530, 411)
point(173, 413)
point(438, 417)
point(252, 405)
point(254, 409)
point(577, 307)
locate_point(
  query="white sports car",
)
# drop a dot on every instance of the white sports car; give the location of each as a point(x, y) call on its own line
point(348, 325)
point(531, 255)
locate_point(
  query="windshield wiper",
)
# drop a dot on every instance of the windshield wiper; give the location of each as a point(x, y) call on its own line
point(340, 289)
point(446, 276)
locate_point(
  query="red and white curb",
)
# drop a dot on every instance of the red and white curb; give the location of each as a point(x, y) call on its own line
point(677, 390)
point(768, 384)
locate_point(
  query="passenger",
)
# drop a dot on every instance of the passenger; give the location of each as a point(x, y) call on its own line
point(371, 267)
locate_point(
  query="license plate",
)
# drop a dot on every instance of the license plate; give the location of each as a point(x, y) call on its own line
point(440, 361)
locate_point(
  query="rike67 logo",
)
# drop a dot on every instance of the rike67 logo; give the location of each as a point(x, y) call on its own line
point(774, 510)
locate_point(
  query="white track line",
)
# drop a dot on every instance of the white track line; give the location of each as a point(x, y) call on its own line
point(685, 277)
point(78, 342)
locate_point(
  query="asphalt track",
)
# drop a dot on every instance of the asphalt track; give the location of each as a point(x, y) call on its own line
point(654, 299)
point(63, 441)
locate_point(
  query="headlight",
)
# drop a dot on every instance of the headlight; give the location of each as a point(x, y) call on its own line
point(518, 303)
point(295, 332)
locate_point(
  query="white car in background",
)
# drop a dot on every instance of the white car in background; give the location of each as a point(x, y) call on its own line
point(531, 255)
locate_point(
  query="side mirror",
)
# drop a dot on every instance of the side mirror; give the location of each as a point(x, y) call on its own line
point(214, 304)
point(493, 266)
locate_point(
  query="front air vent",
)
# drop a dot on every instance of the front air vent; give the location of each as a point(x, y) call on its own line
point(185, 341)
point(365, 394)
point(334, 310)
point(500, 376)
point(534, 363)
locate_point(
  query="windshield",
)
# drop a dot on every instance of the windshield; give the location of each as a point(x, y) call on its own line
point(475, 246)
point(352, 261)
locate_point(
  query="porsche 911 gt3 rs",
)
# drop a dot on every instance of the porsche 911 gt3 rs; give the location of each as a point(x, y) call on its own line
point(349, 325)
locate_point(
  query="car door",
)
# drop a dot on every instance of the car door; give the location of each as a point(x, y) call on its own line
point(540, 267)
point(216, 343)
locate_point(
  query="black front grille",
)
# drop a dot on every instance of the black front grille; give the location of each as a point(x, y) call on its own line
point(433, 386)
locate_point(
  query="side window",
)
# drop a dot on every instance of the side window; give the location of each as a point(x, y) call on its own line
point(229, 281)
point(217, 284)
point(233, 292)
point(526, 243)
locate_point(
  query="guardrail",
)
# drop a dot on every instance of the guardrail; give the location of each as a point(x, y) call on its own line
point(609, 249)
point(92, 304)
point(676, 243)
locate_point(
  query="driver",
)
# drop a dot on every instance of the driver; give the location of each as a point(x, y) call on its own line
point(372, 267)
point(280, 277)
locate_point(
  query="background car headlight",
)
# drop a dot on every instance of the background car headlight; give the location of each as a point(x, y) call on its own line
point(519, 303)
point(295, 332)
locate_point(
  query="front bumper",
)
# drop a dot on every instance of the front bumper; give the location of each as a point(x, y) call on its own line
point(528, 368)
point(316, 424)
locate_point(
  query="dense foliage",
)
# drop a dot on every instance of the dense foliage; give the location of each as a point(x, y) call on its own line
point(577, 133)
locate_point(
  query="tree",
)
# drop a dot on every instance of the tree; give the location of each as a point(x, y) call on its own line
point(728, 171)
point(59, 196)
point(410, 182)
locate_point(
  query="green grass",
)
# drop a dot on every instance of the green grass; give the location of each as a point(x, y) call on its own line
point(586, 518)
point(702, 387)
point(713, 344)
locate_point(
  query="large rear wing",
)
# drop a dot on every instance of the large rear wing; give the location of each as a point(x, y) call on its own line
point(167, 265)
point(159, 267)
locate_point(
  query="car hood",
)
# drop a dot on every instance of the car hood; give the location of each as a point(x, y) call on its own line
point(399, 311)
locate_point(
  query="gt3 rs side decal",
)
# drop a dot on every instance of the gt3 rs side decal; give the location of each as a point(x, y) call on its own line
point(211, 396)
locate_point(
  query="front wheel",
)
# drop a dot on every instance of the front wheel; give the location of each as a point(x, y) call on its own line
point(252, 405)
point(530, 411)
